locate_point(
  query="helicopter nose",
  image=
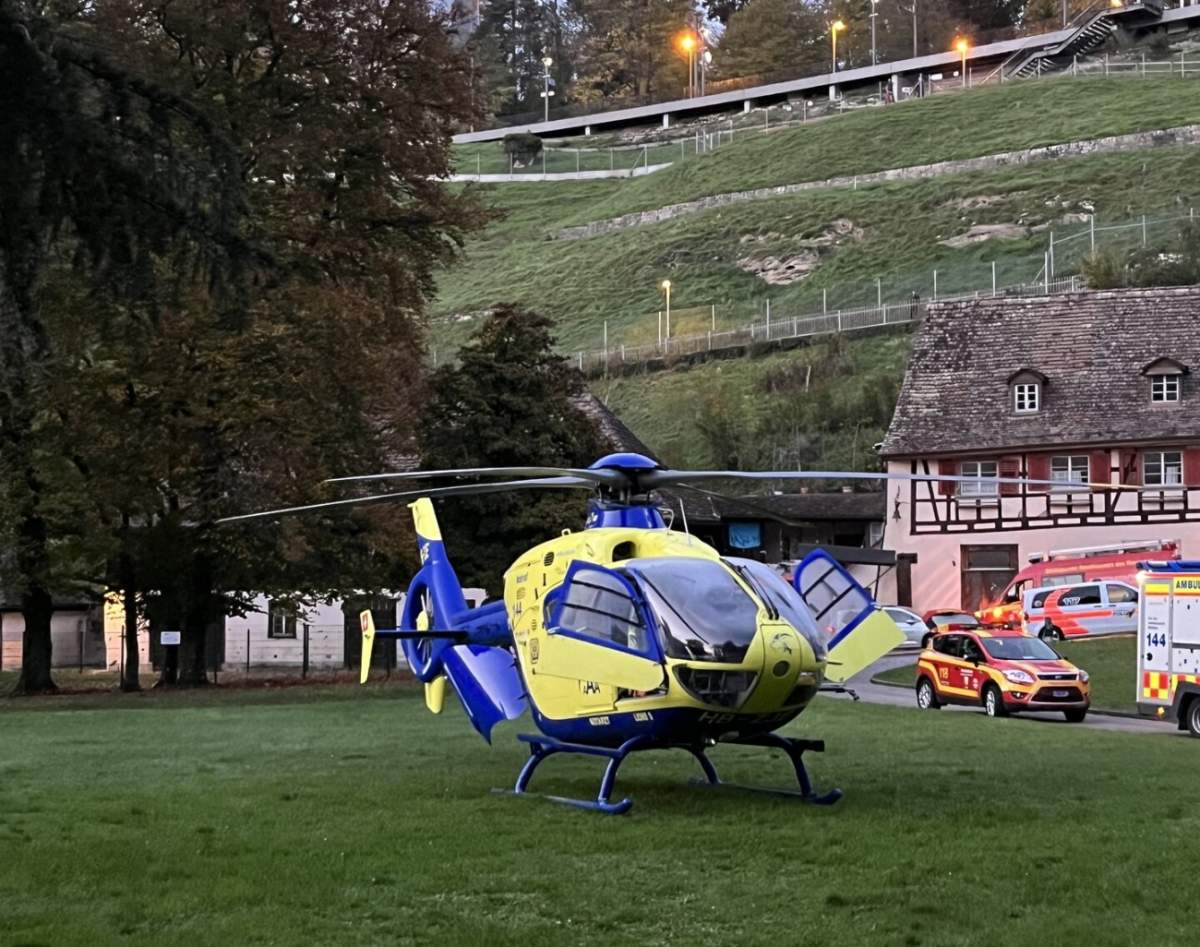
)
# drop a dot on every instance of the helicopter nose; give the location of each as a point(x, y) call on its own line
point(783, 659)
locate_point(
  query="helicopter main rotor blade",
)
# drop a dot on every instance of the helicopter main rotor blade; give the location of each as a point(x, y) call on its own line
point(596, 476)
point(664, 478)
point(469, 489)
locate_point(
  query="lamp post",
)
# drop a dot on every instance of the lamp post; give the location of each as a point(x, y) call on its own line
point(834, 28)
point(962, 46)
point(666, 286)
point(874, 14)
point(705, 62)
point(687, 42)
point(547, 62)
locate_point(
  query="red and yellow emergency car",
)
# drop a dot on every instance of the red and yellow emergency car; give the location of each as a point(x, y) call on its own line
point(1003, 671)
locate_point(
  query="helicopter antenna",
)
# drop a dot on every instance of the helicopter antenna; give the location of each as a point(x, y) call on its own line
point(683, 513)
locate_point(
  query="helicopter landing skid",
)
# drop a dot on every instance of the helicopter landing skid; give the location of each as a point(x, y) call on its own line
point(795, 749)
point(541, 747)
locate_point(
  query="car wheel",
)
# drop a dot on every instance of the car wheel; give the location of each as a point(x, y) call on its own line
point(1075, 716)
point(926, 695)
point(1050, 633)
point(1192, 717)
point(993, 703)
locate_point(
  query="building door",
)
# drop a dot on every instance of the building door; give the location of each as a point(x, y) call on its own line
point(986, 571)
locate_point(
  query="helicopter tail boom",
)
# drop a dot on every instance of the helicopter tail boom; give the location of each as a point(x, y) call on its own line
point(478, 665)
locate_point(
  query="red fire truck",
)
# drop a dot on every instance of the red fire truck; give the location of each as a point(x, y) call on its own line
point(1071, 567)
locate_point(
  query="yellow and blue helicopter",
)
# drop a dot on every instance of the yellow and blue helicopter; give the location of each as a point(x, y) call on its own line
point(628, 635)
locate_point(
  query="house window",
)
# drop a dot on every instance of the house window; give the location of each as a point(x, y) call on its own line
point(281, 620)
point(981, 486)
point(1026, 397)
point(1162, 468)
point(1069, 470)
point(1164, 388)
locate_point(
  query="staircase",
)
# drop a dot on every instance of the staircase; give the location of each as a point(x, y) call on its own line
point(1092, 28)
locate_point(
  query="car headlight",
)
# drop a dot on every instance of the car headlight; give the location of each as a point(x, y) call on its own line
point(1019, 677)
point(1083, 676)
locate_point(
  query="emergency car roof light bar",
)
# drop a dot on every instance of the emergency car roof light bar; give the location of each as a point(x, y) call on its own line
point(1090, 551)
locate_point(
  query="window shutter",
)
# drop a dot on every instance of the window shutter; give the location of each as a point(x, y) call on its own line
point(1009, 467)
point(1131, 467)
point(1039, 469)
point(1099, 464)
point(1191, 467)
point(947, 468)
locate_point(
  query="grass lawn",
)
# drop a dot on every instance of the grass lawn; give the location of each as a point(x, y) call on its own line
point(367, 821)
point(1110, 662)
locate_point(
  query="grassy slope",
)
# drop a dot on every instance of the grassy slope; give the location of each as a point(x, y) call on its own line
point(1111, 663)
point(584, 283)
point(370, 822)
point(941, 128)
point(614, 279)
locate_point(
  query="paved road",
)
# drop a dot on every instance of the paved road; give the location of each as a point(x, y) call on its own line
point(904, 697)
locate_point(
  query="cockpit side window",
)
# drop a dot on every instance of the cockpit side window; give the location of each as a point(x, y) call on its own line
point(598, 604)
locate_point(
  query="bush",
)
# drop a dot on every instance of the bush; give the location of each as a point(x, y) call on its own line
point(1175, 263)
point(523, 148)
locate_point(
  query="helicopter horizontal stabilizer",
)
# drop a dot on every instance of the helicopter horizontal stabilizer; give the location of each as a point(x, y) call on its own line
point(858, 633)
point(367, 623)
point(435, 694)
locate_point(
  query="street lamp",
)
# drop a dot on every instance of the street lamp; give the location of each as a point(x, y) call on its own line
point(962, 46)
point(874, 14)
point(705, 62)
point(687, 42)
point(834, 28)
point(547, 62)
point(666, 285)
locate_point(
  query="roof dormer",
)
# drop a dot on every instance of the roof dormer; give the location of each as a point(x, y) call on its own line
point(1026, 386)
point(1166, 380)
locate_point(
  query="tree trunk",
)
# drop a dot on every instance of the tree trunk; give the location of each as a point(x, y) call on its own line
point(36, 648)
point(127, 577)
point(22, 358)
point(194, 667)
point(129, 666)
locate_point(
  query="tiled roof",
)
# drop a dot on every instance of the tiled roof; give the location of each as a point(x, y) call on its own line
point(781, 507)
point(1091, 347)
point(616, 436)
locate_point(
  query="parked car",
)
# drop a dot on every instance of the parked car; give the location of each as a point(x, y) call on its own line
point(1002, 671)
point(1073, 611)
point(909, 622)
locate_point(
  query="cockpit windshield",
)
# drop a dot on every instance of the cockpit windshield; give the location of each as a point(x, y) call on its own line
point(701, 610)
point(782, 599)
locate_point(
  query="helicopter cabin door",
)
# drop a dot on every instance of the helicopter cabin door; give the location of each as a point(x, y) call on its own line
point(857, 632)
point(599, 633)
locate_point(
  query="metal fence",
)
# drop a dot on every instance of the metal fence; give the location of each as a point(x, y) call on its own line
point(1059, 272)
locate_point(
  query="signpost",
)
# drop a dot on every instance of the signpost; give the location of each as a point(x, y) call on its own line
point(170, 643)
